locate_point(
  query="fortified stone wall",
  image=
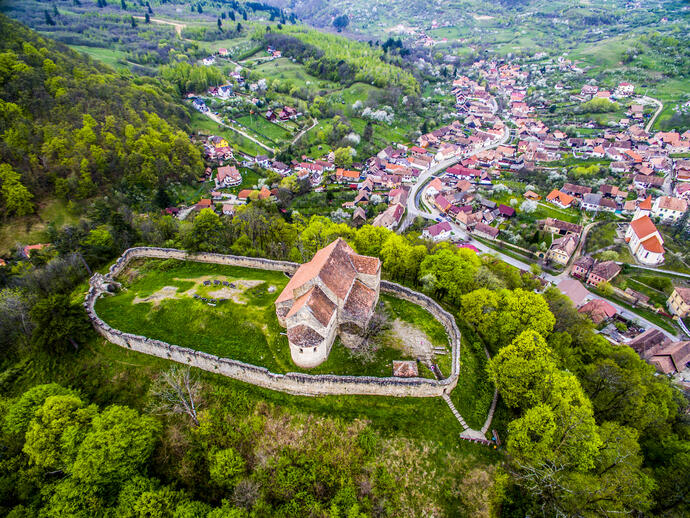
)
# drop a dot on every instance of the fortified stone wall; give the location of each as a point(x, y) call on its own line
point(292, 383)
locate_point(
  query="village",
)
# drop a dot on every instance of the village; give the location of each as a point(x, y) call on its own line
point(499, 180)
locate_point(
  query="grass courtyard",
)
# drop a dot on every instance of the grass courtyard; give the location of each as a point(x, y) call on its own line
point(158, 301)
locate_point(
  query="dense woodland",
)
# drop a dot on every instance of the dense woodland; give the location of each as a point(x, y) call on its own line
point(74, 129)
point(592, 430)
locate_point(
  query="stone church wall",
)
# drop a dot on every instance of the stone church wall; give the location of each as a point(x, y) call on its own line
point(292, 383)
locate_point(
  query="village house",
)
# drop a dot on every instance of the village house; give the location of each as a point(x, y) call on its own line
point(439, 232)
point(604, 271)
point(560, 199)
point(228, 176)
point(598, 310)
point(486, 231)
point(645, 241)
point(389, 218)
point(669, 209)
point(556, 226)
point(574, 290)
point(562, 249)
point(671, 358)
point(679, 302)
point(582, 266)
point(334, 294)
point(359, 217)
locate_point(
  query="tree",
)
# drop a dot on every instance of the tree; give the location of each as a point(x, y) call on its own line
point(123, 5)
point(343, 156)
point(49, 19)
point(58, 322)
point(239, 27)
point(17, 198)
point(220, 24)
point(177, 392)
point(21, 411)
point(368, 132)
point(133, 21)
point(147, 18)
point(225, 467)
point(523, 370)
point(231, 15)
point(116, 448)
point(340, 22)
point(207, 234)
point(56, 431)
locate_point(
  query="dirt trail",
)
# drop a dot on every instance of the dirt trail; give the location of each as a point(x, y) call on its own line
point(178, 26)
point(415, 342)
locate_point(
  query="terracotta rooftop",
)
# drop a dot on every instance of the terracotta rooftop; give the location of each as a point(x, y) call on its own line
point(405, 369)
point(646, 204)
point(606, 270)
point(643, 226)
point(598, 310)
point(671, 203)
point(317, 302)
point(652, 244)
point(336, 266)
point(671, 358)
point(360, 302)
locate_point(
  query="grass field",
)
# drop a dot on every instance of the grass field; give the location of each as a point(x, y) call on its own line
point(244, 327)
point(108, 56)
point(286, 71)
point(204, 124)
point(263, 127)
point(29, 230)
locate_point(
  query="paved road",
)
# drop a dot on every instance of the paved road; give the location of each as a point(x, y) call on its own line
point(415, 193)
point(413, 210)
point(217, 119)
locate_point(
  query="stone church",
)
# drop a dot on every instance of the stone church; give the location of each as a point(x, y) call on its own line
point(334, 294)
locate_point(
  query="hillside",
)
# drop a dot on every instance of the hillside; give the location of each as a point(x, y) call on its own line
point(74, 128)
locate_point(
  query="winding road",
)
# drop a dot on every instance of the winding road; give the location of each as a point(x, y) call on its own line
point(414, 210)
point(217, 119)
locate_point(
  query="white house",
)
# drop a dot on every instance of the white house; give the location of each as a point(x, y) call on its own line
point(438, 232)
point(645, 241)
point(669, 209)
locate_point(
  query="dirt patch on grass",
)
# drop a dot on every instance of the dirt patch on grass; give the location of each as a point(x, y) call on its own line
point(234, 294)
point(413, 340)
point(234, 290)
point(166, 292)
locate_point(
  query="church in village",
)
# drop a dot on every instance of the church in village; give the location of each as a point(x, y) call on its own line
point(334, 294)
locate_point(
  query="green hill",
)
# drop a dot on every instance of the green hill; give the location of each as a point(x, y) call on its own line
point(72, 128)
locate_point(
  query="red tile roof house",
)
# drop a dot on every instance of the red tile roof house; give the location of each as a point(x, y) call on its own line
point(228, 176)
point(582, 266)
point(334, 294)
point(671, 358)
point(560, 199)
point(505, 211)
point(603, 272)
point(442, 203)
point(598, 310)
point(438, 232)
point(484, 230)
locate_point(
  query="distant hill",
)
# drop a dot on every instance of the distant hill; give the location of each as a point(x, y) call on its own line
point(74, 128)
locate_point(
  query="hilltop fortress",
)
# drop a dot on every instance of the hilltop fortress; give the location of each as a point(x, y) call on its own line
point(334, 294)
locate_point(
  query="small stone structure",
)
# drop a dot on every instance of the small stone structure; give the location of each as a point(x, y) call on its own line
point(332, 295)
point(291, 383)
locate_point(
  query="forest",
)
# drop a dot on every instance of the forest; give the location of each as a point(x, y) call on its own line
point(74, 129)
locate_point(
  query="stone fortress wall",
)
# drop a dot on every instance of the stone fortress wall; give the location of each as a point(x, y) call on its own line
point(292, 383)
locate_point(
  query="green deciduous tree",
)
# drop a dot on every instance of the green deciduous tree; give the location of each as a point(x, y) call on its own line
point(58, 323)
point(116, 448)
point(522, 371)
point(17, 198)
point(225, 467)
